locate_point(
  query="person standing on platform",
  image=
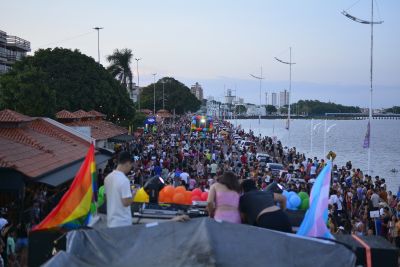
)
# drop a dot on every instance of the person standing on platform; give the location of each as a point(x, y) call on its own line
point(118, 193)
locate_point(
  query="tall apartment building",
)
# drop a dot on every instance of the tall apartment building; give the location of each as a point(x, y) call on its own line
point(274, 99)
point(284, 98)
point(12, 48)
point(197, 91)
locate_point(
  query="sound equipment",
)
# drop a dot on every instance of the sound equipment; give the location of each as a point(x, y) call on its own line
point(380, 251)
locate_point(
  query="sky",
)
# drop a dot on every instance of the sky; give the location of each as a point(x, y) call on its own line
point(220, 43)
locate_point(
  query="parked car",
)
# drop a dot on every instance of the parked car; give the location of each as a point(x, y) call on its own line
point(247, 145)
point(263, 159)
point(275, 168)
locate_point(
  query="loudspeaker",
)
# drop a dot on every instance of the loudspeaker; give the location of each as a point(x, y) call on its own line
point(383, 253)
point(41, 245)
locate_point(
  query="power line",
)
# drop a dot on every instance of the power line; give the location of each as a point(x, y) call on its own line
point(64, 40)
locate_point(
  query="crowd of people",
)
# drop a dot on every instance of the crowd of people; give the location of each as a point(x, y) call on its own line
point(236, 182)
point(200, 160)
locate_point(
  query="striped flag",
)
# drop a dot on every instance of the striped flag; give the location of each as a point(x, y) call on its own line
point(314, 222)
point(74, 209)
point(367, 136)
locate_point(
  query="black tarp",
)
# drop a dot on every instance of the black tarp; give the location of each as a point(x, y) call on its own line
point(199, 242)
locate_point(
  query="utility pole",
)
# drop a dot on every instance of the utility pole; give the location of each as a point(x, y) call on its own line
point(371, 22)
point(154, 93)
point(290, 63)
point(137, 72)
point(260, 78)
point(98, 42)
point(163, 98)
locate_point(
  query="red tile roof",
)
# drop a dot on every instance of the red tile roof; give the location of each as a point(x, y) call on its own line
point(65, 114)
point(100, 129)
point(39, 147)
point(80, 114)
point(146, 111)
point(8, 115)
point(97, 114)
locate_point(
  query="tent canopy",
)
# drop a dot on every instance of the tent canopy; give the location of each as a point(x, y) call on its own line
point(199, 242)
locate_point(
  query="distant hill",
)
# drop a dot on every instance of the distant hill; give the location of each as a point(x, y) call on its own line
point(315, 107)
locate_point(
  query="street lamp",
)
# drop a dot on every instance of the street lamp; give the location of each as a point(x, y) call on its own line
point(290, 63)
point(154, 93)
point(260, 78)
point(137, 71)
point(163, 98)
point(98, 42)
point(372, 22)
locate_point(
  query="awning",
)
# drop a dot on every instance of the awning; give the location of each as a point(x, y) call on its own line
point(67, 173)
point(122, 138)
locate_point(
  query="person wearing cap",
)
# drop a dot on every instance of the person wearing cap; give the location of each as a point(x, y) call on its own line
point(118, 193)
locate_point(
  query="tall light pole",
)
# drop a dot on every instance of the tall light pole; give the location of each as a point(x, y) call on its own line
point(98, 42)
point(154, 93)
point(290, 63)
point(163, 98)
point(371, 22)
point(137, 72)
point(260, 78)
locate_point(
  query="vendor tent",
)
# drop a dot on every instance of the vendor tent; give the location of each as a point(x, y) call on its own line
point(199, 242)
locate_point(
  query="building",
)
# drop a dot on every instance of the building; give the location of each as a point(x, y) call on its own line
point(35, 152)
point(284, 98)
point(266, 98)
point(255, 110)
point(12, 48)
point(229, 97)
point(197, 90)
point(274, 101)
point(241, 101)
point(213, 108)
point(92, 124)
point(133, 92)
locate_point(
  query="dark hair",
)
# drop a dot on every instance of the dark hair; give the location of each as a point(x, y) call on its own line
point(230, 180)
point(124, 157)
point(248, 185)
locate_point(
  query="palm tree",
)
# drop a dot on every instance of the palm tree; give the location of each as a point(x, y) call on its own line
point(120, 66)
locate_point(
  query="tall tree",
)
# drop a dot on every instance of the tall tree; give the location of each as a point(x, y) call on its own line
point(120, 66)
point(177, 95)
point(56, 79)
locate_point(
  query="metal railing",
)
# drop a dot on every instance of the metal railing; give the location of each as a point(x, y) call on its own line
point(18, 42)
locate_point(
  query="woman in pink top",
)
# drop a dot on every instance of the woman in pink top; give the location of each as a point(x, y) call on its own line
point(223, 199)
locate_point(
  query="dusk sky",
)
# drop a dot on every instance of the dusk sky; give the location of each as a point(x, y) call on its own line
point(219, 43)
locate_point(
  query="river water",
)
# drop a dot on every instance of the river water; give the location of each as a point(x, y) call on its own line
point(345, 138)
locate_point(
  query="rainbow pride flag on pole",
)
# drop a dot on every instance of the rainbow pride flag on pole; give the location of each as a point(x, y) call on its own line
point(74, 209)
point(314, 222)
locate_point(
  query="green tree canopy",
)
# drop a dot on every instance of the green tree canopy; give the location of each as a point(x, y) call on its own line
point(315, 107)
point(270, 109)
point(240, 109)
point(394, 110)
point(56, 79)
point(177, 96)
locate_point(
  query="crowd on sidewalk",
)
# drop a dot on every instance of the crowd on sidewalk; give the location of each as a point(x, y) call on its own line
point(235, 180)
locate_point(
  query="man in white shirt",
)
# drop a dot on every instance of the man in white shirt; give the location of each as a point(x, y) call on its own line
point(184, 176)
point(118, 193)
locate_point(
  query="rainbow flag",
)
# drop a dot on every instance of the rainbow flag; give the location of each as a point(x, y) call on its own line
point(314, 222)
point(73, 210)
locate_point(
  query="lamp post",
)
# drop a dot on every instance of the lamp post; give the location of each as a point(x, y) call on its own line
point(98, 42)
point(290, 63)
point(260, 78)
point(154, 93)
point(163, 98)
point(371, 22)
point(137, 72)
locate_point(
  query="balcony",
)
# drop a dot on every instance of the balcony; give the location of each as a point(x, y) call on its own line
point(18, 43)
